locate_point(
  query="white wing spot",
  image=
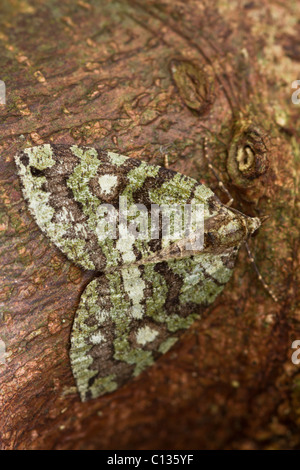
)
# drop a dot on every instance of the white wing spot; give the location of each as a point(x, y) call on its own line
point(97, 338)
point(145, 335)
point(107, 183)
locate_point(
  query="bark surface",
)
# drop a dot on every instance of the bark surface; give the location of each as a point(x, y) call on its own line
point(145, 79)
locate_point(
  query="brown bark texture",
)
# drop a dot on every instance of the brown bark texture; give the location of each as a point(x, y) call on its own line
point(145, 79)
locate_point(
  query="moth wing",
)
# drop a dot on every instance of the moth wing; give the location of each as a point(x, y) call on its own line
point(74, 195)
point(128, 318)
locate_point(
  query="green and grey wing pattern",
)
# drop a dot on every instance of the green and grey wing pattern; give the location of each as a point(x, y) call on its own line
point(146, 292)
point(128, 318)
point(66, 186)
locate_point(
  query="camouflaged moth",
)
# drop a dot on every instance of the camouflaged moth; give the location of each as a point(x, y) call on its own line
point(145, 292)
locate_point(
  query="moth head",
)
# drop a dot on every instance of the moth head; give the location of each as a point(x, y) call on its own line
point(253, 223)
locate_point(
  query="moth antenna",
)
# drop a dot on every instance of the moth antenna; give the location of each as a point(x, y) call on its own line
point(162, 149)
point(267, 288)
point(166, 160)
point(211, 167)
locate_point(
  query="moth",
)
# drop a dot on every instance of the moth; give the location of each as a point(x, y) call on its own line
point(146, 291)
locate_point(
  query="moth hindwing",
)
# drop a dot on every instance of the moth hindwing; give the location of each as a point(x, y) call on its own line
point(147, 289)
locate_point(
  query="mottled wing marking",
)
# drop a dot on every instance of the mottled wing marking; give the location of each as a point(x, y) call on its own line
point(146, 294)
point(128, 318)
point(65, 186)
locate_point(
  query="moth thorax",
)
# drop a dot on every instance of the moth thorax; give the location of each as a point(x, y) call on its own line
point(231, 232)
